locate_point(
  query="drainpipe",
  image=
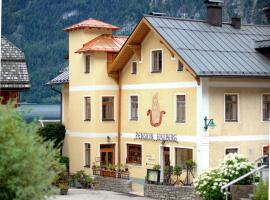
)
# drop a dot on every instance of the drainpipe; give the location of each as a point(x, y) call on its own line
point(60, 93)
point(119, 116)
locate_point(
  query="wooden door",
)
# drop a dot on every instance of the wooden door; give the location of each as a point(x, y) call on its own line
point(107, 155)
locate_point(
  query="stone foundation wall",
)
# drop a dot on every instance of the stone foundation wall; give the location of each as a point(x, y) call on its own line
point(241, 191)
point(112, 184)
point(170, 192)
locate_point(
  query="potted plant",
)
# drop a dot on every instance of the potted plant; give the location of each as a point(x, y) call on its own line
point(62, 182)
point(63, 188)
point(177, 170)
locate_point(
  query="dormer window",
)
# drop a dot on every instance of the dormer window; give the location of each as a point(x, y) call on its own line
point(134, 68)
point(156, 64)
point(87, 64)
point(180, 66)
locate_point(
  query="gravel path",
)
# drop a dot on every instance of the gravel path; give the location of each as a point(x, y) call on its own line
point(82, 194)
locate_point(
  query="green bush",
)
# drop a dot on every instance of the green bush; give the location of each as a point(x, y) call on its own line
point(261, 192)
point(53, 132)
point(209, 183)
point(65, 161)
point(84, 179)
point(27, 165)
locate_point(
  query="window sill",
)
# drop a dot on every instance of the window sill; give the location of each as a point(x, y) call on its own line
point(133, 119)
point(133, 73)
point(108, 120)
point(180, 122)
point(86, 166)
point(87, 120)
point(231, 121)
point(155, 72)
point(134, 164)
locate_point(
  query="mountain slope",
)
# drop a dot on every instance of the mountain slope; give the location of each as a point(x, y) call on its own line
point(36, 27)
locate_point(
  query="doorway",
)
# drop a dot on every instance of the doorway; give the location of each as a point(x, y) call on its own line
point(107, 154)
point(164, 160)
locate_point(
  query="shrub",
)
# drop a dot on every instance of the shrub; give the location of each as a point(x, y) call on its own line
point(65, 161)
point(209, 183)
point(53, 132)
point(27, 165)
point(83, 179)
point(261, 192)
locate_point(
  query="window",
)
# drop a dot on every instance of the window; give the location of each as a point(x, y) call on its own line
point(107, 108)
point(231, 106)
point(87, 154)
point(134, 68)
point(180, 66)
point(133, 107)
point(156, 61)
point(180, 108)
point(87, 107)
point(266, 107)
point(182, 155)
point(87, 64)
point(134, 154)
point(231, 150)
point(266, 150)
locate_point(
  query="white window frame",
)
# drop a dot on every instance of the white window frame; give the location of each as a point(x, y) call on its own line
point(129, 107)
point(114, 107)
point(175, 108)
point(90, 63)
point(162, 63)
point(130, 164)
point(84, 108)
point(84, 164)
point(262, 107)
point(183, 147)
point(238, 107)
point(231, 147)
point(131, 68)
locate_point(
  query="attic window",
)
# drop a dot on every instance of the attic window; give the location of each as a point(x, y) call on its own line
point(87, 64)
point(134, 68)
point(180, 66)
point(156, 64)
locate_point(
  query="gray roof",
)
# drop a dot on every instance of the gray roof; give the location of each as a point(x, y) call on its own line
point(60, 79)
point(13, 70)
point(262, 44)
point(215, 51)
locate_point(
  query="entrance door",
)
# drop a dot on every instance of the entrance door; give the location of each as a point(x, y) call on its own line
point(107, 154)
point(166, 156)
point(164, 160)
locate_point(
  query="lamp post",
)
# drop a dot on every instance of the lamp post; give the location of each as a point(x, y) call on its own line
point(209, 123)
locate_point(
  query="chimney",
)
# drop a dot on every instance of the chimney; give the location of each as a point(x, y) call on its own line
point(266, 11)
point(214, 12)
point(236, 22)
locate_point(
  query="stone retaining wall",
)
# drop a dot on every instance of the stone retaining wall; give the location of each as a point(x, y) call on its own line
point(170, 192)
point(112, 184)
point(241, 191)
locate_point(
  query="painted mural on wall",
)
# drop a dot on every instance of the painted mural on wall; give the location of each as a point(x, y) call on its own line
point(155, 114)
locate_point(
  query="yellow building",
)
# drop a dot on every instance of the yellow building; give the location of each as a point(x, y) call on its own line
point(148, 99)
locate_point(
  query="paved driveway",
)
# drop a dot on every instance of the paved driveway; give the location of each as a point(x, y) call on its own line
point(82, 194)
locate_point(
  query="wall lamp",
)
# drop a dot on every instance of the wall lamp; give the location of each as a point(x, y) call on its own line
point(108, 139)
point(209, 123)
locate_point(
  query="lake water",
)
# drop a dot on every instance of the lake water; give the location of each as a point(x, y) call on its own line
point(40, 111)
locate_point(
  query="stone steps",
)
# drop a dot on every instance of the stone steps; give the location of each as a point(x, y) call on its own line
point(249, 198)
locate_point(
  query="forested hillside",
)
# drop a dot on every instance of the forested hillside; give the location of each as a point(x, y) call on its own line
point(36, 27)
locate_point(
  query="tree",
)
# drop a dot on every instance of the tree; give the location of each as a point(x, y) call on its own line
point(53, 132)
point(28, 165)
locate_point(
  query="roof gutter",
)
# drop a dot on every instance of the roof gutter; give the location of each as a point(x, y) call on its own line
point(61, 99)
